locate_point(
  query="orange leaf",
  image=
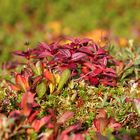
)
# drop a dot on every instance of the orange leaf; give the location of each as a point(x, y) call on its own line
point(22, 82)
point(49, 76)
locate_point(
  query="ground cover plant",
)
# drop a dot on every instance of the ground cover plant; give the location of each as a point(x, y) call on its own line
point(71, 89)
point(37, 20)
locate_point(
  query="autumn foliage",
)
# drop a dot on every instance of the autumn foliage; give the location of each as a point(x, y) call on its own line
point(70, 73)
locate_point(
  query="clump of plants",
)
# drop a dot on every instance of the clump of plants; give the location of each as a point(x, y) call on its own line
point(82, 57)
point(67, 90)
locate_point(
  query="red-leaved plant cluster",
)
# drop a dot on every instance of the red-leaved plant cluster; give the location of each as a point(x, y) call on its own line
point(82, 56)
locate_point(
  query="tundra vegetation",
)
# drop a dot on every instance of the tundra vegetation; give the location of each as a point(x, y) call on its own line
point(71, 89)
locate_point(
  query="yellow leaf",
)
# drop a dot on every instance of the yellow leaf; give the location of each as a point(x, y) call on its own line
point(57, 78)
point(52, 87)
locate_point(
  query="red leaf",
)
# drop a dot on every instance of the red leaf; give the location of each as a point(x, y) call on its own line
point(110, 70)
point(77, 56)
point(97, 71)
point(14, 114)
point(65, 52)
point(27, 54)
point(32, 116)
point(104, 61)
point(85, 50)
point(65, 137)
point(101, 121)
point(108, 82)
point(44, 120)
point(65, 117)
point(72, 66)
point(50, 126)
point(101, 51)
point(27, 103)
point(113, 124)
point(44, 54)
point(85, 70)
point(37, 124)
point(69, 129)
point(77, 137)
point(44, 46)
point(109, 74)
point(89, 65)
point(99, 124)
point(94, 81)
point(86, 78)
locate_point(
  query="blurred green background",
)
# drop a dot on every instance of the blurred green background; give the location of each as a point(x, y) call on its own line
point(44, 20)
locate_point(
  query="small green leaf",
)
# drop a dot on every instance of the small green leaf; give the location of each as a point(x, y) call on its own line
point(2, 95)
point(137, 60)
point(39, 68)
point(64, 78)
point(34, 69)
point(41, 89)
point(127, 72)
